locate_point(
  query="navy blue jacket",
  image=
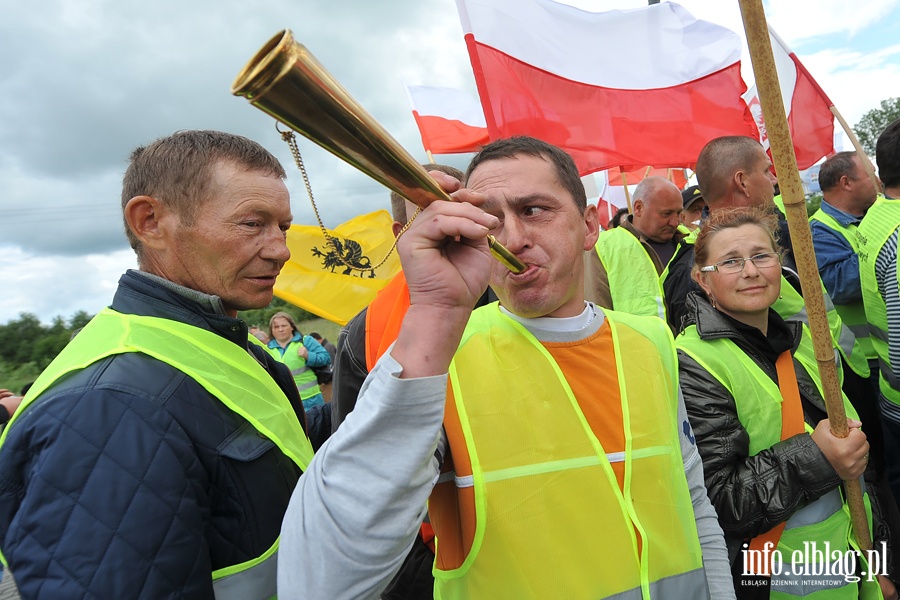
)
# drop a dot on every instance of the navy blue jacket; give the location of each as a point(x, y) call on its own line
point(129, 480)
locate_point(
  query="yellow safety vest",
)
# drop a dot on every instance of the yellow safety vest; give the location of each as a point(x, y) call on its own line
point(758, 402)
point(634, 284)
point(551, 520)
point(853, 314)
point(304, 376)
point(791, 307)
point(880, 222)
point(222, 368)
point(779, 203)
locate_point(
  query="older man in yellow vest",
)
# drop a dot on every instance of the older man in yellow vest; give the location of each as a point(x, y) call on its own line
point(572, 470)
point(633, 256)
point(847, 194)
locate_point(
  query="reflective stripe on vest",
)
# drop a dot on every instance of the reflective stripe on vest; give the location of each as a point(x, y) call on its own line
point(887, 381)
point(538, 469)
point(255, 579)
point(550, 467)
point(683, 585)
point(634, 284)
point(222, 368)
point(758, 402)
point(302, 387)
point(791, 307)
point(854, 313)
point(876, 228)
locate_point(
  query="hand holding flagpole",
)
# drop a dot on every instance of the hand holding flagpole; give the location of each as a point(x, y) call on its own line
point(792, 191)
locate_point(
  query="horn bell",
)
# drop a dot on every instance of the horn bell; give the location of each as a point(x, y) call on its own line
point(286, 81)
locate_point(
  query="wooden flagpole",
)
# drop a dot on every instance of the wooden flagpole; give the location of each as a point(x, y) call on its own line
point(795, 206)
point(430, 157)
point(627, 193)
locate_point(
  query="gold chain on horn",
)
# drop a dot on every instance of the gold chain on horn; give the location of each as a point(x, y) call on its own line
point(291, 140)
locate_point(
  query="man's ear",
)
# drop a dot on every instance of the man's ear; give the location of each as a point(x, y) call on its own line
point(147, 218)
point(637, 207)
point(592, 226)
point(739, 179)
point(396, 226)
point(700, 279)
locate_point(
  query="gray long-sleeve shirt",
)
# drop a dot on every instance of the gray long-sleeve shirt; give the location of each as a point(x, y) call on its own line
point(357, 509)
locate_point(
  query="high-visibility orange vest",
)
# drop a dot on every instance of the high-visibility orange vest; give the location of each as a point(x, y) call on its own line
point(384, 318)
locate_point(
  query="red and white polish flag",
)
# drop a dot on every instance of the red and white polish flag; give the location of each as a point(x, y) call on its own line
point(807, 106)
point(606, 203)
point(676, 176)
point(450, 121)
point(621, 88)
point(597, 190)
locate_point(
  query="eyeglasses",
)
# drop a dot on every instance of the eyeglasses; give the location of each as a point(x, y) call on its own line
point(736, 265)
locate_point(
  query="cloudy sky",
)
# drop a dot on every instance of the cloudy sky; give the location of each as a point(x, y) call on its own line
point(85, 82)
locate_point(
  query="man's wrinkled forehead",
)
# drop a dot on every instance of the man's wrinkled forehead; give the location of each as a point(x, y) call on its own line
point(489, 174)
point(497, 180)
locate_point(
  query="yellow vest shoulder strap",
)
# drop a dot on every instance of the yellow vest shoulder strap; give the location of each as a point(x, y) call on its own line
point(224, 369)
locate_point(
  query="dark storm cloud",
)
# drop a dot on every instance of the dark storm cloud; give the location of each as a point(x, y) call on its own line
point(84, 83)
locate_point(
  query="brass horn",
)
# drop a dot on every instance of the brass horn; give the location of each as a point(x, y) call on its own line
point(286, 81)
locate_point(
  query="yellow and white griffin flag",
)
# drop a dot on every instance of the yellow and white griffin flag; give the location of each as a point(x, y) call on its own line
point(316, 277)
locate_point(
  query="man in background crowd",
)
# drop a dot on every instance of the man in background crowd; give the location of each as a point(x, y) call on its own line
point(693, 207)
point(624, 271)
point(847, 193)
point(877, 239)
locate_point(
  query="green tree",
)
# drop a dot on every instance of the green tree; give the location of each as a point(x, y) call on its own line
point(79, 320)
point(813, 202)
point(18, 336)
point(27, 346)
point(873, 123)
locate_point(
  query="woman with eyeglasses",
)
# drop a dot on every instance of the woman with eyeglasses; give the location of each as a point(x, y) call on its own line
point(773, 468)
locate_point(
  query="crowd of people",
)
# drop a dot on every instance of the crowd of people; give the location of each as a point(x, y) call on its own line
point(637, 414)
